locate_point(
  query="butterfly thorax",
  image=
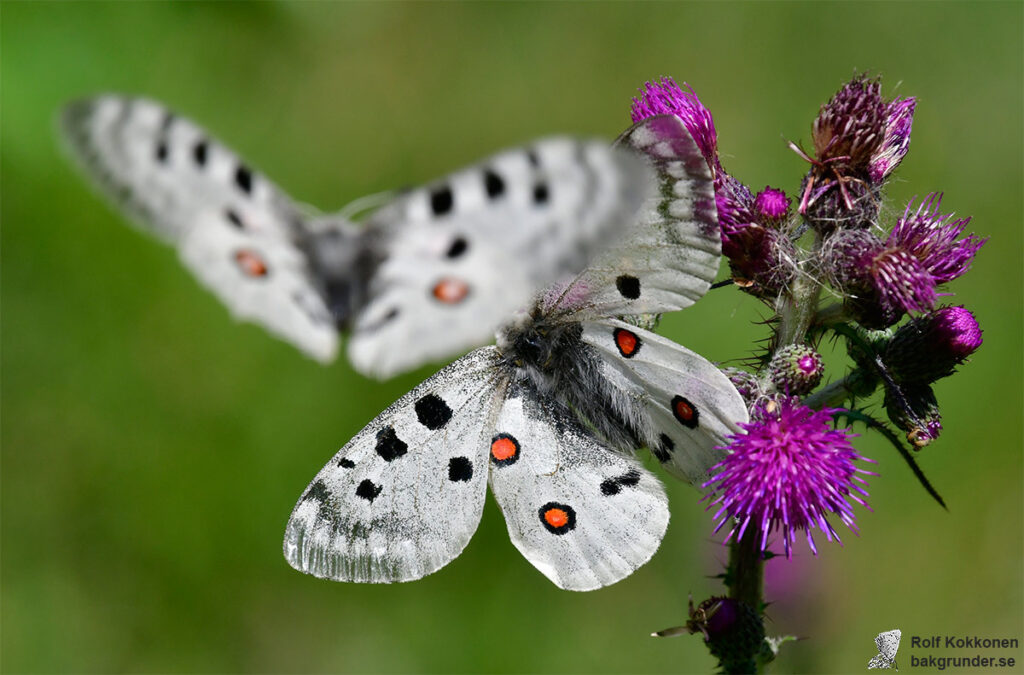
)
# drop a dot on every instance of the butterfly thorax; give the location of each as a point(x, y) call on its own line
point(549, 353)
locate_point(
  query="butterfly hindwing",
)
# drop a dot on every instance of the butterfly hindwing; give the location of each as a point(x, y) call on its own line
point(262, 281)
point(234, 229)
point(690, 404)
point(672, 252)
point(463, 253)
point(403, 497)
point(582, 514)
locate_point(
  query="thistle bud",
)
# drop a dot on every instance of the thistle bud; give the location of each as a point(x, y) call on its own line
point(732, 629)
point(913, 408)
point(771, 206)
point(747, 384)
point(882, 281)
point(796, 369)
point(932, 346)
point(851, 127)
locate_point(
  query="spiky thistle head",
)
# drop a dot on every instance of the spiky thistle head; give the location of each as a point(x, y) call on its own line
point(786, 472)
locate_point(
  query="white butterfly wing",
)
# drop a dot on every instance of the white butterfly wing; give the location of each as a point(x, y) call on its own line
point(585, 516)
point(403, 497)
point(671, 255)
point(260, 280)
point(461, 255)
point(181, 185)
point(687, 404)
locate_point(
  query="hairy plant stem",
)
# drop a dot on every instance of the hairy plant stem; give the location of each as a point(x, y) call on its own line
point(798, 311)
point(800, 305)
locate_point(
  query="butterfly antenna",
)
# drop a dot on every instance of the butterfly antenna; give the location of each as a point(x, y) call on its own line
point(363, 204)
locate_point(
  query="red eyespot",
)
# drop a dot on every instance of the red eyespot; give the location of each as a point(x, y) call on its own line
point(685, 412)
point(627, 341)
point(450, 291)
point(251, 264)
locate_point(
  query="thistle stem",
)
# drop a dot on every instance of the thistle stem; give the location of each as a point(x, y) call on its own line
point(746, 584)
point(831, 395)
point(799, 306)
point(746, 566)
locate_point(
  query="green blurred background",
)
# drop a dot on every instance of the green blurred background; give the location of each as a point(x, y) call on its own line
point(153, 449)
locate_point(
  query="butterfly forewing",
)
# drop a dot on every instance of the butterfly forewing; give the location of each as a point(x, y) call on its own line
point(166, 170)
point(583, 515)
point(464, 253)
point(238, 233)
point(691, 405)
point(403, 497)
point(672, 252)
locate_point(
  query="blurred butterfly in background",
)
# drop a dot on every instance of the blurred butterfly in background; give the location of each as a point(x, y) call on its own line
point(430, 275)
point(888, 644)
point(550, 417)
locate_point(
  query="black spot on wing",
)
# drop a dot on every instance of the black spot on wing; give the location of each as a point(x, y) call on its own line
point(629, 286)
point(460, 469)
point(346, 463)
point(234, 218)
point(161, 151)
point(199, 152)
point(541, 194)
point(243, 178)
point(613, 486)
point(441, 200)
point(458, 247)
point(493, 183)
point(389, 446)
point(433, 412)
point(368, 491)
point(663, 450)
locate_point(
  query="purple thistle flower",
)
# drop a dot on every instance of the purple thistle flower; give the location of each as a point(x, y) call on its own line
point(932, 239)
point(932, 346)
point(900, 274)
point(771, 205)
point(901, 281)
point(850, 127)
point(665, 97)
point(896, 142)
point(786, 472)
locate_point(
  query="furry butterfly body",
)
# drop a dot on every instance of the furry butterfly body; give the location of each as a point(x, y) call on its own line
point(426, 277)
point(550, 417)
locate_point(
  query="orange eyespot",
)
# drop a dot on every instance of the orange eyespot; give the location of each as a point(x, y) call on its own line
point(504, 448)
point(556, 517)
point(251, 263)
point(450, 291)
